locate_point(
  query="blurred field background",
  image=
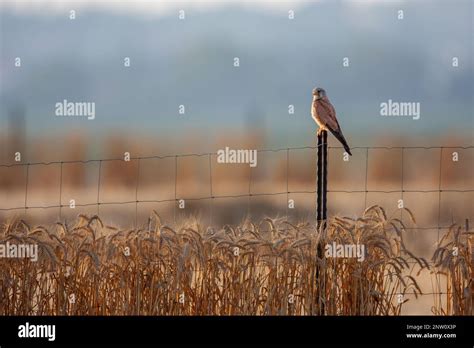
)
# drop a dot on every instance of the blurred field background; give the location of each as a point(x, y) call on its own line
point(260, 192)
point(190, 62)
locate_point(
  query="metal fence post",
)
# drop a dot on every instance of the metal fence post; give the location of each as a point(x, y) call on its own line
point(325, 178)
point(321, 193)
point(319, 180)
point(321, 204)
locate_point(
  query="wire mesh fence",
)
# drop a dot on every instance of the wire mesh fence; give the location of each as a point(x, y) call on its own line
point(212, 196)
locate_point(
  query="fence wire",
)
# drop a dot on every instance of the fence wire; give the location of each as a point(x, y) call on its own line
point(211, 196)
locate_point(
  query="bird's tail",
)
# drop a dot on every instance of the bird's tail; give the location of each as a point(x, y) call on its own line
point(339, 136)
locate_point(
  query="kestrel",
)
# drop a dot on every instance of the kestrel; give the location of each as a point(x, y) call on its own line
point(325, 116)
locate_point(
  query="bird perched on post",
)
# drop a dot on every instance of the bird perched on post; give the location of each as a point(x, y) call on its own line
point(325, 116)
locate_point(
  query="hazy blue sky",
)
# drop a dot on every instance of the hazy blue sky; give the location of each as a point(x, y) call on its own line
point(190, 62)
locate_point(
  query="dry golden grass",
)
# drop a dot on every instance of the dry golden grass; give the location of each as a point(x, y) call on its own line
point(270, 268)
point(454, 259)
